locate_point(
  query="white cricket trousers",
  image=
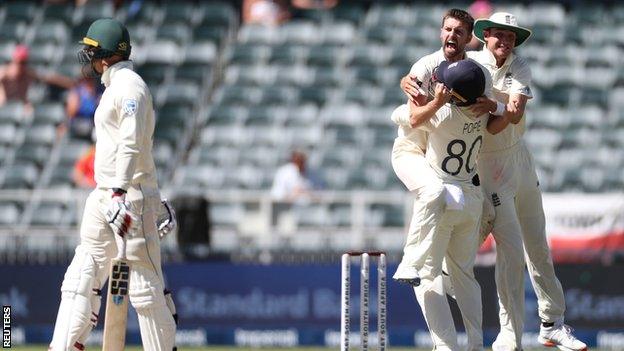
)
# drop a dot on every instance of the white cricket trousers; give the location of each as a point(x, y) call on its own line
point(510, 184)
point(437, 233)
point(146, 291)
point(143, 246)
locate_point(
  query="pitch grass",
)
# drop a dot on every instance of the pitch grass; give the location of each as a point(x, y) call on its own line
point(224, 348)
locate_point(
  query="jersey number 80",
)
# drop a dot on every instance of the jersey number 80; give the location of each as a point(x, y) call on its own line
point(459, 156)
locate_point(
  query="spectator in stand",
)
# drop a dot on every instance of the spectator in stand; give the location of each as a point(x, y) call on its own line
point(479, 9)
point(314, 4)
point(293, 181)
point(311, 9)
point(16, 77)
point(84, 171)
point(265, 12)
point(82, 101)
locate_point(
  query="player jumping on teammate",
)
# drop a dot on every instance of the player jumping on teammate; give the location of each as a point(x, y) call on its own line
point(447, 210)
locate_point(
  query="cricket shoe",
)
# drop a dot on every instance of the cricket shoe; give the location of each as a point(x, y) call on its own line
point(500, 344)
point(560, 336)
point(407, 274)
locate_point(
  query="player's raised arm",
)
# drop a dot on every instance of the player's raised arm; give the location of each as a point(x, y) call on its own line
point(421, 114)
point(411, 87)
point(496, 124)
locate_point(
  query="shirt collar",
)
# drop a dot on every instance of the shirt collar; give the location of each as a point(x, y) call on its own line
point(491, 60)
point(107, 76)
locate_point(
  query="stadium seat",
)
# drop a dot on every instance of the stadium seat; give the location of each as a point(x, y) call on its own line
point(326, 56)
point(226, 215)
point(177, 32)
point(287, 54)
point(196, 73)
point(351, 12)
point(300, 32)
point(59, 11)
point(180, 11)
point(217, 13)
point(265, 116)
point(20, 11)
point(12, 112)
point(302, 116)
point(215, 34)
point(181, 92)
point(258, 34)
point(161, 51)
point(275, 95)
point(328, 77)
point(246, 54)
point(32, 153)
point(200, 52)
point(315, 95)
point(363, 95)
point(55, 32)
point(382, 215)
point(338, 33)
point(9, 213)
point(41, 135)
point(94, 10)
point(154, 73)
point(10, 35)
point(49, 113)
point(20, 176)
point(48, 214)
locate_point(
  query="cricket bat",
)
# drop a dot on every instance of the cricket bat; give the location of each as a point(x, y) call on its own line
point(116, 319)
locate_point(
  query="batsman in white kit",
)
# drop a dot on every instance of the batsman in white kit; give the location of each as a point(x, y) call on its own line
point(447, 212)
point(121, 213)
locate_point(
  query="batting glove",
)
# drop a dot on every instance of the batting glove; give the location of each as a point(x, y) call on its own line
point(121, 220)
point(167, 221)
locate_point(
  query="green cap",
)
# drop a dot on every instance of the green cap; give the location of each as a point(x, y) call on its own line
point(110, 36)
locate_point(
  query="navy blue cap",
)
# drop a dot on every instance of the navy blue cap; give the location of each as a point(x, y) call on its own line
point(465, 78)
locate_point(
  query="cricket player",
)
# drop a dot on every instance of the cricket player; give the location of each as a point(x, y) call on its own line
point(510, 183)
point(447, 210)
point(124, 205)
point(408, 152)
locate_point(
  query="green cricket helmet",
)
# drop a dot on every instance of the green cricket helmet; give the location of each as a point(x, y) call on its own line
point(106, 37)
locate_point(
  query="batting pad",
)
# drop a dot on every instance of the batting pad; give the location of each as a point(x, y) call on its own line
point(75, 313)
point(155, 320)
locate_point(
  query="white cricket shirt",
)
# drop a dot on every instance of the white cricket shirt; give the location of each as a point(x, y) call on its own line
point(455, 137)
point(410, 139)
point(513, 77)
point(124, 126)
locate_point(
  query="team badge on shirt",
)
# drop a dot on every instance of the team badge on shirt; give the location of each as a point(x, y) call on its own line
point(129, 107)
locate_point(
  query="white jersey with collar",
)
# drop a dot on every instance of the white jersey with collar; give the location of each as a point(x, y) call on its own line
point(455, 137)
point(424, 70)
point(124, 125)
point(513, 77)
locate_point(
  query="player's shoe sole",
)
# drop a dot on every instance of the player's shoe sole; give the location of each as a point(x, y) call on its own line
point(550, 343)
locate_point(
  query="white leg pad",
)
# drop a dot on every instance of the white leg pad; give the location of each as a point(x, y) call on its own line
point(155, 319)
point(76, 308)
point(96, 302)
